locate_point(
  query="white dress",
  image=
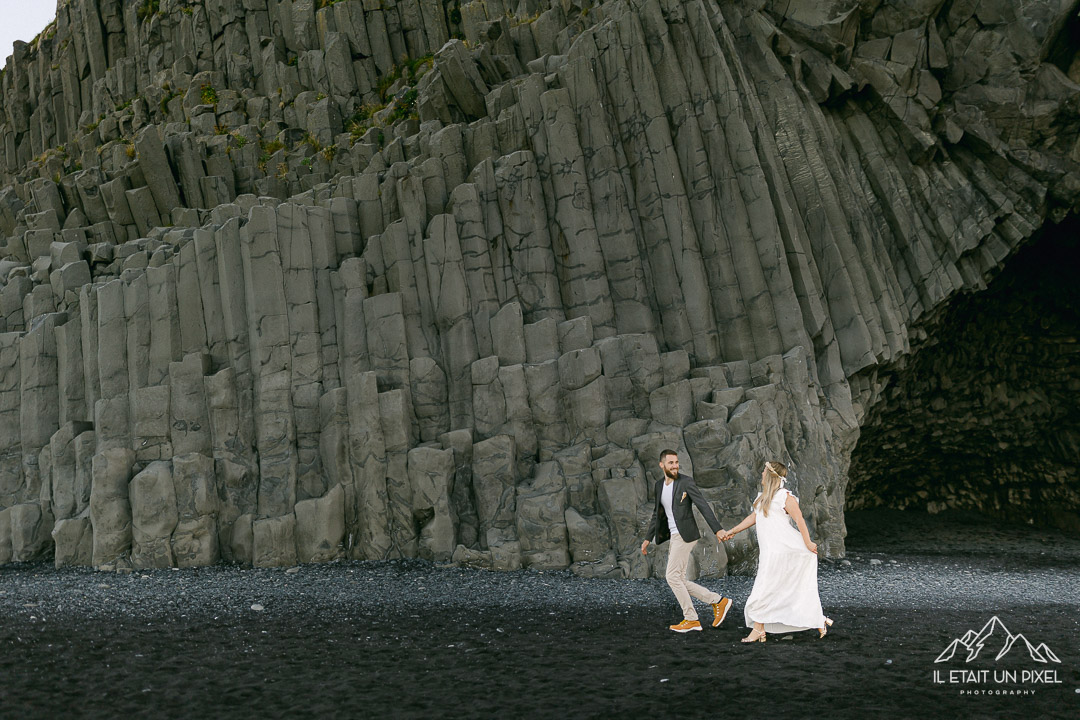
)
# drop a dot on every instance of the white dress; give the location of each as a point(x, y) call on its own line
point(785, 595)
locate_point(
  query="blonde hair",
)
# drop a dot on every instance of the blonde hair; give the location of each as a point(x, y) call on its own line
point(775, 472)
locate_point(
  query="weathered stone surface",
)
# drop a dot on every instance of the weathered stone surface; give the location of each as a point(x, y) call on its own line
point(624, 504)
point(730, 229)
point(188, 416)
point(71, 379)
point(508, 336)
point(153, 516)
point(578, 368)
point(432, 474)
point(575, 334)
point(469, 558)
point(73, 539)
point(111, 412)
point(429, 395)
point(547, 399)
point(463, 502)
point(275, 427)
point(636, 358)
point(31, 532)
point(366, 517)
point(541, 341)
point(672, 404)
point(320, 527)
point(462, 80)
point(195, 541)
point(69, 278)
point(156, 170)
point(143, 206)
point(575, 462)
point(70, 493)
point(384, 317)
point(241, 540)
point(5, 535)
point(110, 504)
point(746, 418)
point(85, 447)
point(541, 524)
point(234, 461)
point(589, 538)
point(708, 443)
point(587, 410)
point(39, 405)
point(151, 409)
point(395, 410)
point(532, 259)
point(494, 485)
point(334, 437)
point(274, 541)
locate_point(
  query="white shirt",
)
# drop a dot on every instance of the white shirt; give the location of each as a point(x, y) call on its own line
point(665, 500)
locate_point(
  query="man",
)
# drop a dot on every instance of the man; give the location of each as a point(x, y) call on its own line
point(673, 518)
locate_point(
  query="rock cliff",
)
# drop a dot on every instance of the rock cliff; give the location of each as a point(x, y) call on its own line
point(292, 280)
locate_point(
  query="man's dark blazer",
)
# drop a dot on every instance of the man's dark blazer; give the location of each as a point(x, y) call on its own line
point(682, 509)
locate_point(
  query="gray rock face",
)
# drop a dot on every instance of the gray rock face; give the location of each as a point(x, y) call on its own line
point(590, 540)
point(153, 516)
point(431, 474)
point(195, 540)
point(5, 535)
point(274, 541)
point(320, 306)
point(320, 527)
point(494, 485)
point(110, 505)
point(541, 525)
point(73, 539)
point(30, 532)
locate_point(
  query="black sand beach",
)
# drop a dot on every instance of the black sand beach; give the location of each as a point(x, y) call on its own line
point(410, 639)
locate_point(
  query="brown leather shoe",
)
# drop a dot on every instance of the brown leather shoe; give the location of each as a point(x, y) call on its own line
point(720, 611)
point(686, 626)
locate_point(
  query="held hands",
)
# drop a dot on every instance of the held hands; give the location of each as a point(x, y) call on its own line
point(644, 547)
point(724, 535)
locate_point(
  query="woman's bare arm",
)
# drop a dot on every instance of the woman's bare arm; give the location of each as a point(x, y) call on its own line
point(791, 506)
point(748, 521)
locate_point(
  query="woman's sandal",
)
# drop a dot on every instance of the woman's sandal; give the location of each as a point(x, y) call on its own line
point(755, 636)
point(823, 631)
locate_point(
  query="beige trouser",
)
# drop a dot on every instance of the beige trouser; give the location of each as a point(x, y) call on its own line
point(678, 557)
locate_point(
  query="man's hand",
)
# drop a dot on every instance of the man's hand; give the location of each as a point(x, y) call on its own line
point(644, 547)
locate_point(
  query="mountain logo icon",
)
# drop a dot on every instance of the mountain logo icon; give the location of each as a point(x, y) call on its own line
point(994, 630)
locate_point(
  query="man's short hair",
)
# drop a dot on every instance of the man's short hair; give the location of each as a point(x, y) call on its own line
point(665, 453)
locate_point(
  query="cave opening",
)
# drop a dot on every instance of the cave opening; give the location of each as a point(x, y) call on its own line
point(983, 414)
point(1063, 49)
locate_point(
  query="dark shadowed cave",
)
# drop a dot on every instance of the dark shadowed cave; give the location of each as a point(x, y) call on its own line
point(984, 414)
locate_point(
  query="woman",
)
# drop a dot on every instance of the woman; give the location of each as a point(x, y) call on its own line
point(785, 594)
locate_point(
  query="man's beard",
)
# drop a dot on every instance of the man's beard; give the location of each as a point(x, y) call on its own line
point(674, 475)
